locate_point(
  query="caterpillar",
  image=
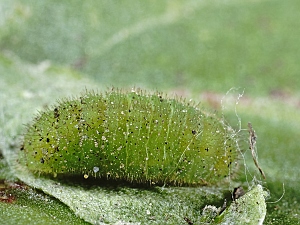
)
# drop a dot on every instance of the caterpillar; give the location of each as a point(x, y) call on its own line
point(132, 136)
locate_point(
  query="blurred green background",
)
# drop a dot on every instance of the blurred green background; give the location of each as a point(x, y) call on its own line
point(196, 49)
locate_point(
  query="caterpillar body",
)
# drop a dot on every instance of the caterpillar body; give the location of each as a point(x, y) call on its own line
point(131, 136)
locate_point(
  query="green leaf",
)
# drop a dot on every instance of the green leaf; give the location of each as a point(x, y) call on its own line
point(249, 209)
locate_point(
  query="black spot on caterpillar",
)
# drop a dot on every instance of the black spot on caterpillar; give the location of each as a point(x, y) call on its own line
point(131, 136)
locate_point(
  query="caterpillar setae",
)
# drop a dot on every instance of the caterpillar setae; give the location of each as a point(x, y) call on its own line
point(131, 136)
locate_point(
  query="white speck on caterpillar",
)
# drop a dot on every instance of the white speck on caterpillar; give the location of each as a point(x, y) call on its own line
point(96, 169)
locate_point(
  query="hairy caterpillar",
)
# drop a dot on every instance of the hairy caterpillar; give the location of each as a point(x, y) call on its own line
point(131, 136)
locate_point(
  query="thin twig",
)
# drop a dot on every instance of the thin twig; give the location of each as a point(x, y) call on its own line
point(252, 141)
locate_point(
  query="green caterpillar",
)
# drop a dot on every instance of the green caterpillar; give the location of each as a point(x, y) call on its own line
point(131, 136)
